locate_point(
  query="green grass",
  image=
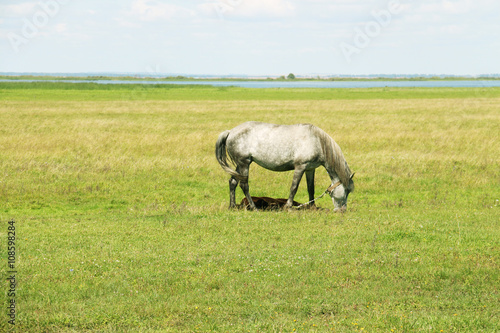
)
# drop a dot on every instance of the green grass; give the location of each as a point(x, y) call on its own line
point(122, 221)
point(62, 91)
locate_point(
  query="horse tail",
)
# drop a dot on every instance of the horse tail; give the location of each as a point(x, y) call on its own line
point(220, 153)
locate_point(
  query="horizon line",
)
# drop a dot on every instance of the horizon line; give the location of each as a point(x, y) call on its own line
point(193, 75)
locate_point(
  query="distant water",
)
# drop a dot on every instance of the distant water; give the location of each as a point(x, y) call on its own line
point(301, 84)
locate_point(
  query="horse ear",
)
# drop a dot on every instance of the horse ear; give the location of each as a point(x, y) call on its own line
point(353, 175)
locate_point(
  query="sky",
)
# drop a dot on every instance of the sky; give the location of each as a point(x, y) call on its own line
point(251, 37)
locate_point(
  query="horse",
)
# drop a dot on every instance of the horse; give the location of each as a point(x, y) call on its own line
point(299, 147)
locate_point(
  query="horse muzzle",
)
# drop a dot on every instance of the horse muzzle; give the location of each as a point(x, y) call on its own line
point(341, 209)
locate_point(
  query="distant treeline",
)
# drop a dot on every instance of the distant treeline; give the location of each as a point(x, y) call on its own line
point(290, 76)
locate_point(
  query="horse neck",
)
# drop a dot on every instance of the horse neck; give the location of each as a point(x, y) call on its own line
point(336, 164)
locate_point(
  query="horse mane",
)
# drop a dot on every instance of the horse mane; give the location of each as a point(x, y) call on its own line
point(334, 159)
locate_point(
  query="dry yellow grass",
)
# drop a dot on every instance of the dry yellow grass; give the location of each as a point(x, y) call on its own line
point(59, 137)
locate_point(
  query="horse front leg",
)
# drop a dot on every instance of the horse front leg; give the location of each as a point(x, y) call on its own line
point(310, 185)
point(297, 176)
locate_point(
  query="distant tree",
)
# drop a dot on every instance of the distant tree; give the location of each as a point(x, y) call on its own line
point(291, 76)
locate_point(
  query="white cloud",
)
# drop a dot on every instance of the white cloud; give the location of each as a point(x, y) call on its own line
point(255, 9)
point(452, 29)
point(447, 7)
point(18, 9)
point(126, 22)
point(61, 28)
point(451, 9)
point(152, 10)
point(273, 8)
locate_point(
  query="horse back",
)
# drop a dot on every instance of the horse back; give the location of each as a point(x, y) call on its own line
point(276, 147)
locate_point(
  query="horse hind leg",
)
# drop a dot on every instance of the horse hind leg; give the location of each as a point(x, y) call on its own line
point(243, 170)
point(245, 187)
point(233, 183)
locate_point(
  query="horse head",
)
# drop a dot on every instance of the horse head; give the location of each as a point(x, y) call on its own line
point(339, 193)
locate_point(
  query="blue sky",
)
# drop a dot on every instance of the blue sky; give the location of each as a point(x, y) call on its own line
point(252, 37)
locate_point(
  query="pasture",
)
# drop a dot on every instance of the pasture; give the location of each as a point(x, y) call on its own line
point(122, 221)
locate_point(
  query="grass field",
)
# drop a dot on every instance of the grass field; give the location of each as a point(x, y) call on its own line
point(122, 221)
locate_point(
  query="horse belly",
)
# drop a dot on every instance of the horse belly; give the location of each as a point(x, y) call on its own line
point(282, 156)
point(273, 155)
point(275, 165)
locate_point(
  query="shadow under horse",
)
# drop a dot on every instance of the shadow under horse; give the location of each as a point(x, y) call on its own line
point(266, 203)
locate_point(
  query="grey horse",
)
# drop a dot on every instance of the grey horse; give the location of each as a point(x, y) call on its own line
point(300, 147)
